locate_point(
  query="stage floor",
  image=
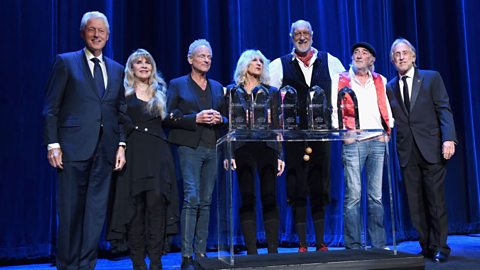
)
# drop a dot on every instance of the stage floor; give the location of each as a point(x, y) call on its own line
point(335, 259)
point(465, 256)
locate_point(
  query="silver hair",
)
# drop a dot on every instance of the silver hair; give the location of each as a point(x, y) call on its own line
point(299, 23)
point(94, 15)
point(406, 42)
point(245, 59)
point(197, 43)
point(157, 87)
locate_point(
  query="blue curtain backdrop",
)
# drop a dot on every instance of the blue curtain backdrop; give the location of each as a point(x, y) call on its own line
point(445, 34)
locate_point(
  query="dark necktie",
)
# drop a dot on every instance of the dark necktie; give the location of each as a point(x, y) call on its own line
point(98, 77)
point(406, 98)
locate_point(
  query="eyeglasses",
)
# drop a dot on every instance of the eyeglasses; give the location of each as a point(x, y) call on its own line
point(301, 33)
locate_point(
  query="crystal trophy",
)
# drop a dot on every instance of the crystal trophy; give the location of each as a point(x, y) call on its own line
point(260, 108)
point(347, 105)
point(288, 108)
point(238, 109)
point(317, 116)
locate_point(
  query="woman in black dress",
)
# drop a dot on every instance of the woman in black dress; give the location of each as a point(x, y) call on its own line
point(146, 186)
point(264, 158)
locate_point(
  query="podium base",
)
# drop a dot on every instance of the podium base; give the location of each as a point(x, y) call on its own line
point(335, 259)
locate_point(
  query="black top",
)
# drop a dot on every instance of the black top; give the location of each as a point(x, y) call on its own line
point(204, 97)
point(149, 166)
point(182, 101)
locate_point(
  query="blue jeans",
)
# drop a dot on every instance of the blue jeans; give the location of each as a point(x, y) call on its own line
point(199, 167)
point(368, 154)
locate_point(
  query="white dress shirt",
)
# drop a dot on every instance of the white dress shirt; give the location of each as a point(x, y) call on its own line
point(276, 69)
point(368, 111)
point(91, 65)
point(410, 73)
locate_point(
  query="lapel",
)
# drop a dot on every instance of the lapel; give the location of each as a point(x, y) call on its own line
point(417, 82)
point(109, 67)
point(191, 89)
point(213, 94)
point(398, 96)
point(87, 74)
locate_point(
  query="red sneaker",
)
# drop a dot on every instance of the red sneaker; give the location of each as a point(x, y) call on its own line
point(302, 249)
point(322, 247)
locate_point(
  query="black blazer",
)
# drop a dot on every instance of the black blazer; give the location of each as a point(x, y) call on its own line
point(74, 112)
point(181, 100)
point(429, 122)
point(138, 119)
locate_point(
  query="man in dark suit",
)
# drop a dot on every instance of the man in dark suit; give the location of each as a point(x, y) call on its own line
point(83, 105)
point(425, 141)
point(200, 103)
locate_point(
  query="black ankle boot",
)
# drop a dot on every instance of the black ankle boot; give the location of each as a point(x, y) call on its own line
point(137, 254)
point(156, 265)
point(301, 229)
point(319, 227)
point(187, 263)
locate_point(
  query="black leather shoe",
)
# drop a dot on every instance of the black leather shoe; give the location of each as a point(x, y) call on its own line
point(187, 263)
point(439, 257)
point(200, 255)
point(155, 266)
point(426, 253)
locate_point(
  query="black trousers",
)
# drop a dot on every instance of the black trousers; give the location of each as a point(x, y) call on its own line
point(308, 178)
point(146, 231)
point(82, 197)
point(425, 187)
point(251, 158)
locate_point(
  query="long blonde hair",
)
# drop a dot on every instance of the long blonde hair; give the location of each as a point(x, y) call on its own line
point(157, 87)
point(247, 56)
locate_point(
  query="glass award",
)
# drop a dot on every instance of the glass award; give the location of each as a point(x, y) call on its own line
point(317, 116)
point(260, 108)
point(288, 108)
point(347, 105)
point(238, 110)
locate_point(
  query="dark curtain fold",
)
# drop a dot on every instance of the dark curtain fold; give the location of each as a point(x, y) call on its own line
point(444, 32)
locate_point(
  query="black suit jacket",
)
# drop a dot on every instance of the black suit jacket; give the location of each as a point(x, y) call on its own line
point(181, 99)
point(429, 122)
point(74, 112)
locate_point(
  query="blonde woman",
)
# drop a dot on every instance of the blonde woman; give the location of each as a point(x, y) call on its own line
point(146, 186)
point(264, 158)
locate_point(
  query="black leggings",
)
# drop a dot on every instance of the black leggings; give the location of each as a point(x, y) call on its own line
point(251, 158)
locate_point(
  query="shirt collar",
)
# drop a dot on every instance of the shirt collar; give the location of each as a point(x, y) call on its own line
point(90, 55)
point(352, 74)
point(294, 56)
point(410, 73)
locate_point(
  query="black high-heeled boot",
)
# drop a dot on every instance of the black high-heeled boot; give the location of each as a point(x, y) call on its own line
point(249, 230)
point(271, 234)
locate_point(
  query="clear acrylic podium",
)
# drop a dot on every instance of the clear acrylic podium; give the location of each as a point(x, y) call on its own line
point(225, 203)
